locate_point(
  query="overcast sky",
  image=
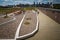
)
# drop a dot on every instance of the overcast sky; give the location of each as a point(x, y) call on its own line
point(12, 2)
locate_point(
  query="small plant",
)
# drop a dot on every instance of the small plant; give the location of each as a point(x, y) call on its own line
point(27, 23)
point(6, 16)
point(28, 18)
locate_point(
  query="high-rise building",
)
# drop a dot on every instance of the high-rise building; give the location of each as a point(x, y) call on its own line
point(35, 1)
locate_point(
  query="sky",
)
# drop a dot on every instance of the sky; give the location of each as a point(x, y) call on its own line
point(56, 1)
point(14, 2)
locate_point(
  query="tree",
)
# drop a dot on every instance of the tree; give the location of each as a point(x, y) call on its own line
point(6, 13)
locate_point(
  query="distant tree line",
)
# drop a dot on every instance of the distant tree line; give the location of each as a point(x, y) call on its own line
point(56, 6)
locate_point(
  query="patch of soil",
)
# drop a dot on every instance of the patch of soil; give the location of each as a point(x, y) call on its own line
point(29, 24)
point(2, 19)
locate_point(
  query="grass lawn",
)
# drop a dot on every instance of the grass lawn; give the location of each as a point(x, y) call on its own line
point(10, 10)
point(29, 8)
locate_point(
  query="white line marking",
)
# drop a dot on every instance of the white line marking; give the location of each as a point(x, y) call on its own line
point(9, 14)
point(8, 21)
point(17, 32)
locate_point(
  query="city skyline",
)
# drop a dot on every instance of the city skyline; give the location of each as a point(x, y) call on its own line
point(14, 2)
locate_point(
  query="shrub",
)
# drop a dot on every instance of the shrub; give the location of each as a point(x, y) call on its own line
point(28, 18)
point(27, 23)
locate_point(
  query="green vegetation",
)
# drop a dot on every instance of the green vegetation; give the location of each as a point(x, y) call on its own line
point(28, 18)
point(5, 11)
point(27, 23)
point(29, 8)
point(56, 6)
point(8, 10)
point(6, 16)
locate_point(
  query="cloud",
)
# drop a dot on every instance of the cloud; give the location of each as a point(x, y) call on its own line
point(12, 2)
point(56, 1)
point(23, 2)
point(6, 0)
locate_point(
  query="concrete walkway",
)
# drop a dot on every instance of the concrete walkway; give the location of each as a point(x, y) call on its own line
point(48, 29)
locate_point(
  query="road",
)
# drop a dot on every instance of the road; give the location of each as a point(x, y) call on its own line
point(48, 29)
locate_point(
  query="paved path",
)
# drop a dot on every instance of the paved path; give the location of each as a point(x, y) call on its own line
point(48, 29)
point(8, 30)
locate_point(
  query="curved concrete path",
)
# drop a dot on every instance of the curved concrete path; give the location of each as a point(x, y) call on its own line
point(48, 28)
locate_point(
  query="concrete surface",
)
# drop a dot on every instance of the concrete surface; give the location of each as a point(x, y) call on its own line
point(48, 29)
point(8, 30)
